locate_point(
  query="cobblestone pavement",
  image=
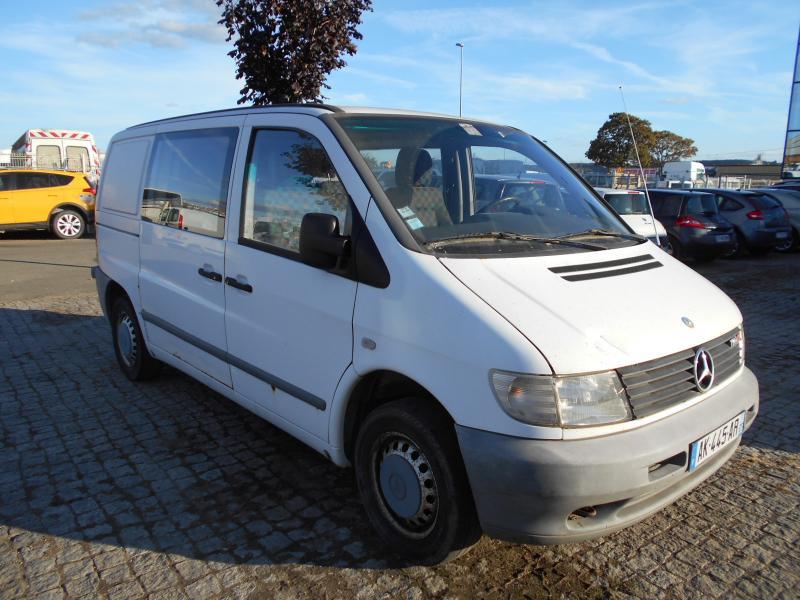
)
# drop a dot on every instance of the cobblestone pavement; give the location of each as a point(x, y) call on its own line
point(168, 490)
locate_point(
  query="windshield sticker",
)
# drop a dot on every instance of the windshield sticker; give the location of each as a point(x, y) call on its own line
point(406, 212)
point(470, 128)
point(415, 223)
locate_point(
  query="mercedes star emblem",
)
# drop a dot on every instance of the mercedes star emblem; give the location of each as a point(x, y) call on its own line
point(703, 370)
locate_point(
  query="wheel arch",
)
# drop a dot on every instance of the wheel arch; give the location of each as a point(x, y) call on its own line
point(67, 206)
point(112, 293)
point(373, 390)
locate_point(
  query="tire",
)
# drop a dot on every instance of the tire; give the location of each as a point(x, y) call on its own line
point(738, 248)
point(677, 249)
point(413, 484)
point(129, 346)
point(792, 243)
point(68, 225)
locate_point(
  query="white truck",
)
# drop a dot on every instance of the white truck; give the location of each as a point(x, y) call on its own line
point(56, 149)
point(682, 174)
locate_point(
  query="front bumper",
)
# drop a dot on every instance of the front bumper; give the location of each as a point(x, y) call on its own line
point(529, 490)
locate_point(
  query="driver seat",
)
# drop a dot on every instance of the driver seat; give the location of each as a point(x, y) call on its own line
point(413, 176)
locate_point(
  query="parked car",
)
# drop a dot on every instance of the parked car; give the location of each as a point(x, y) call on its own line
point(790, 200)
point(59, 201)
point(760, 222)
point(632, 206)
point(693, 223)
point(541, 376)
point(787, 184)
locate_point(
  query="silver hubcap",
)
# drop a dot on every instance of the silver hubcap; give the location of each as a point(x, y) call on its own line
point(126, 340)
point(68, 225)
point(407, 486)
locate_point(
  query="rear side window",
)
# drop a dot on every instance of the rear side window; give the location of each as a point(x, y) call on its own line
point(289, 175)
point(120, 187)
point(190, 171)
point(32, 181)
point(699, 204)
point(59, 180)
point(765, 202)
point(5, 182)
point(665, 204)
point(729, 204)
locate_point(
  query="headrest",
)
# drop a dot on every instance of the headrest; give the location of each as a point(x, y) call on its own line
point(412, 165)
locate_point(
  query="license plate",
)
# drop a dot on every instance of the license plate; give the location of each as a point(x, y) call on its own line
point(723, 238)
point(708, 445)
point(781, 235)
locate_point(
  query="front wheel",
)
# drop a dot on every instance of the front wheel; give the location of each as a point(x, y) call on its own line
point(412, 482)
point(69, 225)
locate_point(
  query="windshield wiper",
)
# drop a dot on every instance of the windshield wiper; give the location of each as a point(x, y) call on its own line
point(603, 232)
point(507, 235)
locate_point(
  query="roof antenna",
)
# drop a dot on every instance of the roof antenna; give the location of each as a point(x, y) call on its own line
point(641, 170)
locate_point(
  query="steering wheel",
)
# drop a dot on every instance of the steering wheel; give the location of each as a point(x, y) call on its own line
point(506, 204)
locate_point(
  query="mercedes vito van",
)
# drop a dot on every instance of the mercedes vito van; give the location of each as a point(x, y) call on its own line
point(532, 370)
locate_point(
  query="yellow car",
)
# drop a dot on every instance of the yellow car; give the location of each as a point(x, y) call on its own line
point(59, 201)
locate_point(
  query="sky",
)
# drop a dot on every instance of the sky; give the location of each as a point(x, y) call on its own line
point(718, 72)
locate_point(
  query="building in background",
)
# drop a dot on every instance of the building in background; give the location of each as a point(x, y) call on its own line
point(791, 151)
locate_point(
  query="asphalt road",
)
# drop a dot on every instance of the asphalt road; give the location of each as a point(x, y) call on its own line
point(35, 264)
point(165, 489)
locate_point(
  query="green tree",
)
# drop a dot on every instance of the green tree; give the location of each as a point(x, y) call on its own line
point(668, 146)
point(613, 146)
point(284, 49)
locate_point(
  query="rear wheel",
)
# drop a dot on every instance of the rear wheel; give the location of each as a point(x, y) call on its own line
point(68, 225)
point(790, 244)
point(132, 355)
point(738, 246)
point(677, 249)
point(412, 482)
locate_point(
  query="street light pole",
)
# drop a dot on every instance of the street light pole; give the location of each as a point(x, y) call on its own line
point(460, 74)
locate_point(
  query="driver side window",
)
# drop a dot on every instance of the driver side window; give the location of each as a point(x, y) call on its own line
point(289, 175)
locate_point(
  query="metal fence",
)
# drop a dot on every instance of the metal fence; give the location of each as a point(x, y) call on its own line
point(23, 161)
point(634, 181)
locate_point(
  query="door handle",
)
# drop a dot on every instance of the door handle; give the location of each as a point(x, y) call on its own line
point(235, 283)
point(212, 275)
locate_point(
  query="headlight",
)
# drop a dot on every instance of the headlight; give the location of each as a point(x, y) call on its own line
point(577, 401)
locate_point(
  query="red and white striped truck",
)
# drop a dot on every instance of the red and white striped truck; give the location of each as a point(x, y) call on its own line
point(62, 149)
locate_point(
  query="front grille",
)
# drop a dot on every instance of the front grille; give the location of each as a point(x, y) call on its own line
point(658, 384)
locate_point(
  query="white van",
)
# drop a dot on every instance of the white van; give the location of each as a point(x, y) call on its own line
point(530, 369)
point(634, 209)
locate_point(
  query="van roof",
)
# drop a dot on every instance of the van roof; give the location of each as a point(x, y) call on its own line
point(301, 108)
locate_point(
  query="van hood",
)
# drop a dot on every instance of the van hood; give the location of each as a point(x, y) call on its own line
point(594, 311)
point(643, 225)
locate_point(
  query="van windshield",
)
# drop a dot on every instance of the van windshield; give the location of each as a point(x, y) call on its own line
point(464, 187)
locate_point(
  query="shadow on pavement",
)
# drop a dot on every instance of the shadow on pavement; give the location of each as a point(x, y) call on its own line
point(167, 465)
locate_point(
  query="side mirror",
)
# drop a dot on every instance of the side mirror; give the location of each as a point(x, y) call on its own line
point(320, 243)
